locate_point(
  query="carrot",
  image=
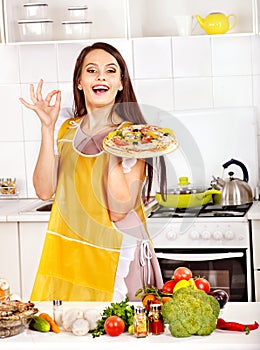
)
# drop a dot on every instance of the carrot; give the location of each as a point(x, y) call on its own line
point(54, 327)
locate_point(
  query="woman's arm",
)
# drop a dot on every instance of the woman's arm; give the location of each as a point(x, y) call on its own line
point(124, 189)
point(45, 172)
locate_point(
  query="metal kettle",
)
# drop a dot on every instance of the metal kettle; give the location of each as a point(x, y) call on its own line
point(234, 191)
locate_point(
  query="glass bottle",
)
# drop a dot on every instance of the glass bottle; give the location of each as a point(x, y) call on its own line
point(155, 319)
point(57, 312)
point(140, 322)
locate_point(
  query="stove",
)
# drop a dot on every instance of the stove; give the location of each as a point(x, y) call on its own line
point(210, 210)
point(212, 240)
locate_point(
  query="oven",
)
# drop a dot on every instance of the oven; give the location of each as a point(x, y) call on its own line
point(212, 241)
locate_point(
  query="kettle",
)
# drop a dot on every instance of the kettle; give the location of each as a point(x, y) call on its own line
point(234, 191)
point(216, 23)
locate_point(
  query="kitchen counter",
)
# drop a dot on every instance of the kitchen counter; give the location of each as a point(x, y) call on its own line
point(254, 212)
point(22, 210)
point(219, 339)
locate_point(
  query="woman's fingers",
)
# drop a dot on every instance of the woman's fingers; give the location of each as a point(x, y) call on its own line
point(39, 90)
point(26, 104)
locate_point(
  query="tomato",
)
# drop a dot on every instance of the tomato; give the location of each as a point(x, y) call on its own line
point(114, 326)
point(202, 284)
point(182, 273)
point(168, 286)
point(119, 142)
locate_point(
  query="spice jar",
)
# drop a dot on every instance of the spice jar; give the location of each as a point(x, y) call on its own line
point(155, 319)
point(140, 322)
point(57, 312)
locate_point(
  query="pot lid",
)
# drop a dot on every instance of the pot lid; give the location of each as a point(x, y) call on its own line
point(185, 187)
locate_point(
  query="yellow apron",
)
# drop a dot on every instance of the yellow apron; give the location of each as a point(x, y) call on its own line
point(82, 247)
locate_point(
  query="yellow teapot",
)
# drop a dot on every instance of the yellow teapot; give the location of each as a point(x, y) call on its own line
point(216, 23)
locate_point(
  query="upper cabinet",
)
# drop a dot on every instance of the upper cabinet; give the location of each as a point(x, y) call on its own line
point(62, 19)
point(2, 39)
point(175, 17)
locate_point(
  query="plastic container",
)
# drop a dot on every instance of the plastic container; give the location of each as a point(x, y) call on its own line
point(35, 30)
point(76, 29)
point(35, 10)
point(77, 13)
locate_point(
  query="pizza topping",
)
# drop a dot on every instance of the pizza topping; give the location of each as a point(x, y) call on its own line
point(139, 140)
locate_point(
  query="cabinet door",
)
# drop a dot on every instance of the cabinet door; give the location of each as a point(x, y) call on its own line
point(256, 243)
point(257, 285)
point(9, 255)
point(32, 236)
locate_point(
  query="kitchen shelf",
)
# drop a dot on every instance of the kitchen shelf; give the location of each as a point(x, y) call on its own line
point(108, 17)
point(133, 18)
point(157, 18)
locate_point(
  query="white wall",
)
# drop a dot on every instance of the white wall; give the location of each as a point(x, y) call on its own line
point(176, 73)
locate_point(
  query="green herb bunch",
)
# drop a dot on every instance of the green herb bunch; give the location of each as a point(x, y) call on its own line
point(121, 309)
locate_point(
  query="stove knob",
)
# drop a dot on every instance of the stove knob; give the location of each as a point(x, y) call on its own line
point(194, 235)
point(217, 235)
point(171, 234)
point(229, 235)
point(205, 235)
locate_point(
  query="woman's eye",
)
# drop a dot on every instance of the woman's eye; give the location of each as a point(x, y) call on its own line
point(91, 70)
point(111, 71)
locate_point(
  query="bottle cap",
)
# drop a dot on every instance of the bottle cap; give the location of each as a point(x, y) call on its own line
point(155, 307)
point(57, 302)
point(139, 309)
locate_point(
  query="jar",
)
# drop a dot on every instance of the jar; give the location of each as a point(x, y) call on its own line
point(5, 289)
point(140, 322)
point(57, 312)
point(155, 319)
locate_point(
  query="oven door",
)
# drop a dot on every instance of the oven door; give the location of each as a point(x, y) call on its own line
point(225, 270)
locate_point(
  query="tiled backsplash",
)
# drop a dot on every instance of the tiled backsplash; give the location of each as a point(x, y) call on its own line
point(169, 73)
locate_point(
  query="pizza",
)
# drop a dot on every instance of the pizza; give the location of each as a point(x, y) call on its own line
point(140, 141)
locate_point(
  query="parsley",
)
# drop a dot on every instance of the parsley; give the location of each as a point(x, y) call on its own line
point(121, 309)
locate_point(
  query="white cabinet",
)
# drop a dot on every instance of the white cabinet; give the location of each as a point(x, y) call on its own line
point(32, 235)
point(157, 18)
point(2, 39)
point(108, 17)
point(9, 255)
point(256, 255)
point(135, 18)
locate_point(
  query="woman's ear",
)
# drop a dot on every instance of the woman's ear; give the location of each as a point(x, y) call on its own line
point(120, 88)
point(79, 87)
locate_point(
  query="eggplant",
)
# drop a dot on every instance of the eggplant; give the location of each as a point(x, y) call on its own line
point(221, 296)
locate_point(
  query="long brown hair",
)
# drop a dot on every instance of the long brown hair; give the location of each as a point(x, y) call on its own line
point(126, 106)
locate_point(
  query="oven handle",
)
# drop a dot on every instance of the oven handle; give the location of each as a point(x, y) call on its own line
point(199, 257)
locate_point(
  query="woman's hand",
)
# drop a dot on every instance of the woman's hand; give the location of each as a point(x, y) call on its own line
point(47, 113)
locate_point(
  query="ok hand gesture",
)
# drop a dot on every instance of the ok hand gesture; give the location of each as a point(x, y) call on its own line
point(47, 113)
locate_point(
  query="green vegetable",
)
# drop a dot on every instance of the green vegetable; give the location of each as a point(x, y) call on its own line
point(121, 309)
point(191, 312)
point(39, 324)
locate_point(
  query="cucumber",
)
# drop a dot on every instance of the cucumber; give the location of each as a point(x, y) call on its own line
point(39, 324)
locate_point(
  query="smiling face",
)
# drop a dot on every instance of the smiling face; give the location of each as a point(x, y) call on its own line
point(100, 79)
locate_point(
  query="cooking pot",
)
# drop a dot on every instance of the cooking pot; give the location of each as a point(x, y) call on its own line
point(186, 196)
point(234, 190)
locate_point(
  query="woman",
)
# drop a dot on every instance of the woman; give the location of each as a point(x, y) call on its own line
point(97, 246)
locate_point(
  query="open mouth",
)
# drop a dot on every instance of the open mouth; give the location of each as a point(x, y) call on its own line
point(100, 89)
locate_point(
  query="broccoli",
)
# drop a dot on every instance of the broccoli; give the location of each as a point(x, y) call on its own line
point(191, 312)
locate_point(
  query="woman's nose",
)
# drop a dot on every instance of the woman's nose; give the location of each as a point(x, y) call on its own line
point(101, 76)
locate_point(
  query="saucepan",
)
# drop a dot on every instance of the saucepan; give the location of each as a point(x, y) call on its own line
point(186, 196)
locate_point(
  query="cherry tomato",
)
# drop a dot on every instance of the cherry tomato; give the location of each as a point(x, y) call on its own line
point(182, 273)
point(114, 326)
point(202, 284)
point(168, 286)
